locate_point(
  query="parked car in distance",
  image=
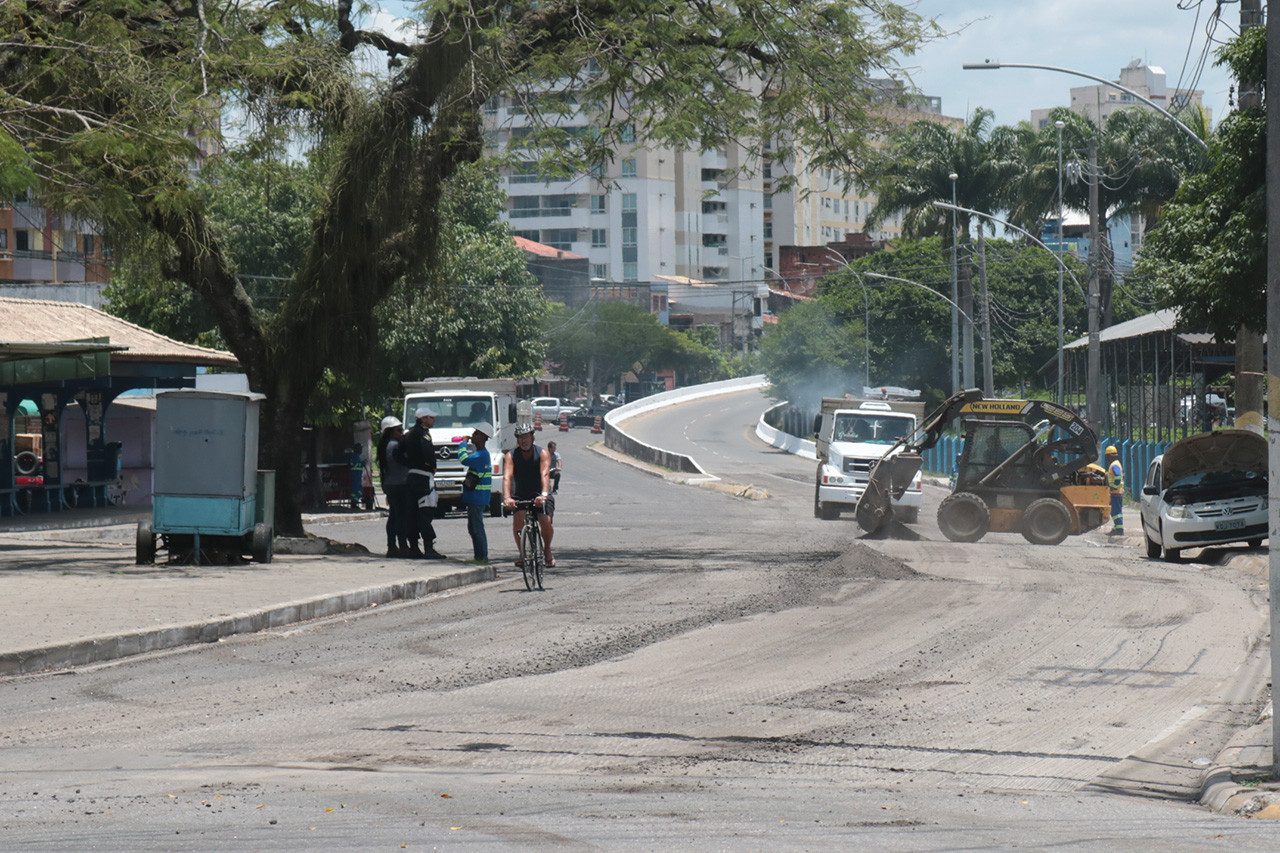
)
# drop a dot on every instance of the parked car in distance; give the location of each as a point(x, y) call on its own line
point(551, 407)
point(1208, 489)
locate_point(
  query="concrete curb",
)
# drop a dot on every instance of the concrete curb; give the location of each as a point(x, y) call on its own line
point(105, 648)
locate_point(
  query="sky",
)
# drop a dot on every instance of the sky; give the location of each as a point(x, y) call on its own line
point(1098, 37)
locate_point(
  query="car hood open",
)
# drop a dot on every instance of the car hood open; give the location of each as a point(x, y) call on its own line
point(1225, 450)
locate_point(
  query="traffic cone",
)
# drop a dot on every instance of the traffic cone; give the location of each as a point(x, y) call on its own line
point(597, 427)
point(564, 421)
point(537, 420)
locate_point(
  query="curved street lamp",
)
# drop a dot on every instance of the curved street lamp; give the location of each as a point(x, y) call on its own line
point(988, 65)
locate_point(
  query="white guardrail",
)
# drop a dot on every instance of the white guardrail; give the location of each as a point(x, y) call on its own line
point(617, 439)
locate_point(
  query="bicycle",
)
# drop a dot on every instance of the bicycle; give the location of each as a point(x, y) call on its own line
point(532, 560)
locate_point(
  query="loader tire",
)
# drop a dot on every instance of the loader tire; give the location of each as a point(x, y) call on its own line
point(1046, 521)
point(964, 517)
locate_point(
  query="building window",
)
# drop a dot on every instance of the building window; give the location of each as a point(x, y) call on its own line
point(21, 240)
point(657, 303)
point(629, 167)
point(491, 106)
point(560, 238)
point(768, 259)
point(628, 202)
point(4, 238)
point(600, 271)
point(712, 174)
point(630, 272)
point(535, 236)
point(768, 201)
point(598, 204)
point(88, 244)
point(629, 236)
point(628, 133)
point(714, 207)
point(768, 230)
point(599, 238)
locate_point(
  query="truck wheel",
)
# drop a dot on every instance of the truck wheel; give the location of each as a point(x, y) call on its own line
point(26, 463)
point(1046, 522)
point(146, 544)
point(907, 514)
point(817, 504)
point(262, 544)
point(964, 517)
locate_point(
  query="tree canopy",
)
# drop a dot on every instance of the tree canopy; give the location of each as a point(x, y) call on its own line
point(1208, 256)
point(108, 105)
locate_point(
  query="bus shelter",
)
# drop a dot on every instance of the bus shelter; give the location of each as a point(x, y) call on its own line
point(57, 354)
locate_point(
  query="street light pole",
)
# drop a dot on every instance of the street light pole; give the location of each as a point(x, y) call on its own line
point(1060, 125)
point(992, 66)
point(955, 298)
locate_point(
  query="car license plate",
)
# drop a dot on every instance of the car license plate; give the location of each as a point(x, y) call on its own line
point(1230, 524)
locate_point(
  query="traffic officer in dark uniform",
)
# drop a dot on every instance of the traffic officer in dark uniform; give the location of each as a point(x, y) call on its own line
point(419, 456)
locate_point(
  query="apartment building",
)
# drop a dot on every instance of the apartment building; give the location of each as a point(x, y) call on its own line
point(48, 255)
point(710, 217)
point(1099, 101)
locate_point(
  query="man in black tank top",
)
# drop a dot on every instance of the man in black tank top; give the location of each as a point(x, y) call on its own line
point(526, 475)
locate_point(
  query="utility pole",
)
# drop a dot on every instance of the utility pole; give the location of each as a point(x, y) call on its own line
point(1093, 378)
point(1273, 332)
point(1249, 364)
point(984, 315)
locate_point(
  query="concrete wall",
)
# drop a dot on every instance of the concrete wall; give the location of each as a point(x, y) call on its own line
point(617, 439)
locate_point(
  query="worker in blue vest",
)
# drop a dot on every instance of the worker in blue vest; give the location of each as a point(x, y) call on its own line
point(477, 488)
point(1115, 482)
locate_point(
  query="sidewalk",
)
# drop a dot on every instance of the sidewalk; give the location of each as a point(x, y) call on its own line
point(75, 596)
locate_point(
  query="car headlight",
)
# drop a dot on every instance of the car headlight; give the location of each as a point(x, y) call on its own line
point(1180, 512)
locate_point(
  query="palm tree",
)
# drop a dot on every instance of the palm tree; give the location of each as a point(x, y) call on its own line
point(914, 170)
point(1142, 159)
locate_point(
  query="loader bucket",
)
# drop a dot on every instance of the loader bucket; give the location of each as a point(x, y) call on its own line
point(889, 479)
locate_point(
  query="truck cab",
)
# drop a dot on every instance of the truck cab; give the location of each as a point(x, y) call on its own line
point(852, 437)
point(460, 404)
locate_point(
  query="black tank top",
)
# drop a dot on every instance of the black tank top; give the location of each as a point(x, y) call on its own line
point(526, 474)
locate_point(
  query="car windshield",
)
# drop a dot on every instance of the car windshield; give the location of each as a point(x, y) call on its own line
point(870, 429)
point(458, 411)
point(1212, 485)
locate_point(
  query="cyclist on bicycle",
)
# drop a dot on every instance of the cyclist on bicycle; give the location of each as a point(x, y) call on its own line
point(526, 475)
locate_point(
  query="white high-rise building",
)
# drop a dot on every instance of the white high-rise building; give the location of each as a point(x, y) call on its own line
point(683, 217)
point(1098, 101)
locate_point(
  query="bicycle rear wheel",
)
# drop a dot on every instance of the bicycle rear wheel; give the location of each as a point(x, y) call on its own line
point(530, 554)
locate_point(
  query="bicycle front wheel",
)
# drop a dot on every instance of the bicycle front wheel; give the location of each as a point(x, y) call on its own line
point(539, 560)
point(530, 557)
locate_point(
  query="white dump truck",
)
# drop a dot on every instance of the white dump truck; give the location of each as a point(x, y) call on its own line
point(460, 403)
point(852, 436)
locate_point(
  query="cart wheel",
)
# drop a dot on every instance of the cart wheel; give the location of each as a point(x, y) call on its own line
point(146, 544)
point(263, 544)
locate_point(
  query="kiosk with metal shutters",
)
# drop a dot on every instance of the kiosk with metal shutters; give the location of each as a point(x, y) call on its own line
point(212, 505)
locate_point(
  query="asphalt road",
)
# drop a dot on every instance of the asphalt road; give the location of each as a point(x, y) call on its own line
point(704, 671)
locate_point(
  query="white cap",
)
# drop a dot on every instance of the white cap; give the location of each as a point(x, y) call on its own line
point(484, 430)
point(424, 412)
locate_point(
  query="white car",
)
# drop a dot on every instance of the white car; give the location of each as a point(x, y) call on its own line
point(1207, 489)
point(550, 408)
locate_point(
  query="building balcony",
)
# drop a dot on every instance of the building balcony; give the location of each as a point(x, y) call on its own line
point(533, 212)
